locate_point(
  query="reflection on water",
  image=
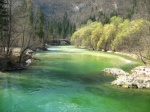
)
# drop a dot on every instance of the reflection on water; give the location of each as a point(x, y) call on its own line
point(67, 79)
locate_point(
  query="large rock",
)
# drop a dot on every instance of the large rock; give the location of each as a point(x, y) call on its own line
point(139, 78)
point(115, 71)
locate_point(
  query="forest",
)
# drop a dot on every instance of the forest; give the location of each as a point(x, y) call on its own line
point(23, 28)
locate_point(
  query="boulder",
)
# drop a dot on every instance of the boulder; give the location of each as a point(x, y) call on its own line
point(115, 71)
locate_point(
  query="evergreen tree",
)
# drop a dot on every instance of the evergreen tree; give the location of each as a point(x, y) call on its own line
point(30, 12)
point(3, 16)
point(40, 25)
point(93, 18)
point(4, 24)
point(61, 29)
point(1, 20)
point(1, 13)
point(114, 13)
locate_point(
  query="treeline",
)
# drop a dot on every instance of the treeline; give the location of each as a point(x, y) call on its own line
point(105, 19)
point(118, 35)
point(101, 17)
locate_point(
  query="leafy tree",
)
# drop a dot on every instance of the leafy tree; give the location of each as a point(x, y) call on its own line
point(76, 38)
point(116, 20)
point(108, 36)
point(96, 35)
point(119, 43)
point(134, 37)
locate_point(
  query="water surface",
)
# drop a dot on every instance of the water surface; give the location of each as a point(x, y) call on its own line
point(67, 79)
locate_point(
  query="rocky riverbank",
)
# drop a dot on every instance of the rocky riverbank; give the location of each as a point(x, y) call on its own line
point(13, 63)
point(138, 78)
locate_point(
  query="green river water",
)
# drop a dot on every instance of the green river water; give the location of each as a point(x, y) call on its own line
point(67, 79)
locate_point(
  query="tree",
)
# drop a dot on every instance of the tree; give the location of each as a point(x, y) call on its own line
point(120, 42)
point(75, 38)
point(40, 26)
point(140, 39)
point(116, 20)
point(10, 27)
point(27, 33)
point(134, 37)
point(3, 24)
point(30, 14)
point(3, 13)
point(108, 36)
point(96, 35)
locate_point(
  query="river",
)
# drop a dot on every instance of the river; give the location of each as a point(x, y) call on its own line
point(67, 79)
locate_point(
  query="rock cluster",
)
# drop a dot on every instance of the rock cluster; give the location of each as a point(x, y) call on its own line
point(139, 78)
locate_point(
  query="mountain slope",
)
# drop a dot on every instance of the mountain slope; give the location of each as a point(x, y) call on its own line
point(80, 10)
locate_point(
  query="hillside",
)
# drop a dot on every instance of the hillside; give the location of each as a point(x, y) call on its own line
point(80, 10)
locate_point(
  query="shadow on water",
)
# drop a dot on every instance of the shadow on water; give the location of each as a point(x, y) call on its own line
point(36, 79)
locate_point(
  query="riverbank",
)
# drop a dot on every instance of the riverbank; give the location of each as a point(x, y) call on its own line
point(12, 63)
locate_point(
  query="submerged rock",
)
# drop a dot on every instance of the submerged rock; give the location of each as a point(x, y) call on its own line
point(139, 77)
